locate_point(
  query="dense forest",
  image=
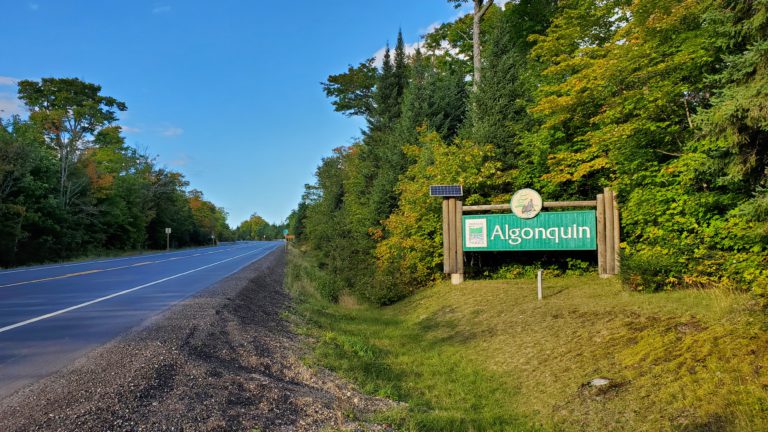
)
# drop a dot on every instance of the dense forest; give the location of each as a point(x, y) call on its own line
point(666, 101)
point(70, 186)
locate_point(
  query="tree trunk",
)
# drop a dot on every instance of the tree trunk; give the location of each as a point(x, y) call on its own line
point(63, 168)
point(481, 7)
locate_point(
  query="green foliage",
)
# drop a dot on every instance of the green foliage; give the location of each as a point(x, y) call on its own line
point(69, 112)
point(649, 270)
point(390, 87)
point(327, 287)
point(210, 220)
point(70, 186)
point(343, 215)
point(510, 77)
point(353, 90)
point(434, 98)
point(663, 100)
point(735, 125)
point(450, 44)
point(567, 267)
point(410, 255)
point(256, 228)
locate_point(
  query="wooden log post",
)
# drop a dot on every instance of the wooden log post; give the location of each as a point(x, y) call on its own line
point(601, 265)
point(446, 239)
point(546, 204)
point(451, 235)
point(610, 247)
point(453, 244)
point(457, 276)
point(616, 233)
point(608, 234)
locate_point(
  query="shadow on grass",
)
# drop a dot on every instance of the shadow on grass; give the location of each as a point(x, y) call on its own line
point(552, 292)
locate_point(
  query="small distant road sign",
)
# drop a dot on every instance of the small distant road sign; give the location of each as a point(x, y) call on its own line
point(446, 190)
point(167, 239)
point(285, 232)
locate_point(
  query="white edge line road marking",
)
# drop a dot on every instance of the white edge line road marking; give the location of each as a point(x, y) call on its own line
point(248, 263)
point(101, 299)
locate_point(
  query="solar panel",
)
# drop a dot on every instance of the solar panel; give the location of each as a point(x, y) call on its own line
point(446, 190)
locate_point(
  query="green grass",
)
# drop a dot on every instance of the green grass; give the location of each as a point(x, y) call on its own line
point(486, 355)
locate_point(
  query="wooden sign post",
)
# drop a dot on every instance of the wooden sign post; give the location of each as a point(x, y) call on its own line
point(453, 246)
point(609, 240)
point(453, 249)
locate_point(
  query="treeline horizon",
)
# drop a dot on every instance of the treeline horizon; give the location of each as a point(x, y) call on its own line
point(70, 186)
point(665, 101)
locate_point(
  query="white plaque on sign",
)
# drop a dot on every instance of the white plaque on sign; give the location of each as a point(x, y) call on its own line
point(476, 232)
point(526, 203)
point(167, 230)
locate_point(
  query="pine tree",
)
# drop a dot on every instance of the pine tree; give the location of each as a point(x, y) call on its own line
point(401, 68)
point(387, 106)
point(499, 112)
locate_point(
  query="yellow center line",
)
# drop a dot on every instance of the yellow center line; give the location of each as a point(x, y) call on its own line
point(54, 278)
point(87, 272)
point(83, 272)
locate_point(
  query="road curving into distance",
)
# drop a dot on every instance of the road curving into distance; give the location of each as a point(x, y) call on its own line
point(51, 315)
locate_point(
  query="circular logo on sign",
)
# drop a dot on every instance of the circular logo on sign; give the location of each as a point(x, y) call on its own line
point(526, 203)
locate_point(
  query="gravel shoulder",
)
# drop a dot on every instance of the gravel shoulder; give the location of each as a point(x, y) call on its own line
point(223, 360)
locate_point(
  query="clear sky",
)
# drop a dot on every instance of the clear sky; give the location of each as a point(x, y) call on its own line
point(227, 92)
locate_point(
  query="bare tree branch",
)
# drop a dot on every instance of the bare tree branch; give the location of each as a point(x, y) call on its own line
point(668, 153)
point(485, 7)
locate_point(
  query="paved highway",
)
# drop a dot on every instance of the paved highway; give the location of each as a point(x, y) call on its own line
point(51, 315)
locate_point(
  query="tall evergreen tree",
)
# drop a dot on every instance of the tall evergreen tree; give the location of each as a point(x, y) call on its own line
point(499, 114)
point(400, 67)
point(387, 104)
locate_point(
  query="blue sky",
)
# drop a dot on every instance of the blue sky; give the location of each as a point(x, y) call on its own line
point(227, 92)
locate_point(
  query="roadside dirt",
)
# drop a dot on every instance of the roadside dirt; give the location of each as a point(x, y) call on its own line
point(223, 360)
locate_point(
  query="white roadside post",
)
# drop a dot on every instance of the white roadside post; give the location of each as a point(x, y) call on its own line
point(167, 239)
point(538, 279)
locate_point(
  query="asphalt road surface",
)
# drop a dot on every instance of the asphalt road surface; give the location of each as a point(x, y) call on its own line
point(51, 315)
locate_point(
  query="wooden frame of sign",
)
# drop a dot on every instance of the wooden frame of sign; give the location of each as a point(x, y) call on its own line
point(608, 232)
point(453, 246)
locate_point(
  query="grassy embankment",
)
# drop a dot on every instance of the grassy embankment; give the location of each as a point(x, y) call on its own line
point(487, 355)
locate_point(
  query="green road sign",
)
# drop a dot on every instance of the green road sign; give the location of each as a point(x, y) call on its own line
point(568, 230)
point(285, 232)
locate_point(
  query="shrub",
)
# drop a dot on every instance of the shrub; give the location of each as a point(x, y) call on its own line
point(327, 286)
point(650, 271)
point(577, 267)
